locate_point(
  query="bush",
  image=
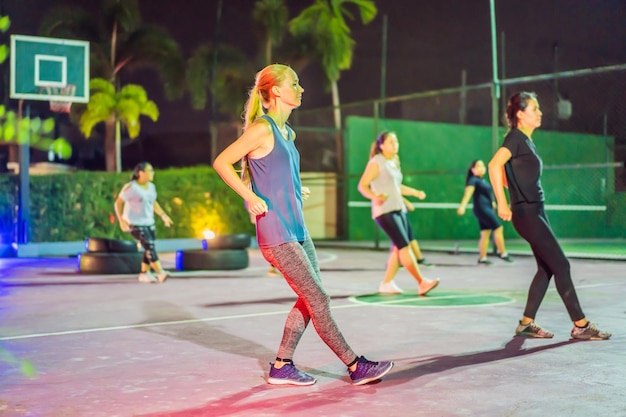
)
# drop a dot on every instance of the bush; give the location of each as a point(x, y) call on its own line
point(74, 206)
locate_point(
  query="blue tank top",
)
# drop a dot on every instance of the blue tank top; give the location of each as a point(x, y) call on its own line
point(276, 179)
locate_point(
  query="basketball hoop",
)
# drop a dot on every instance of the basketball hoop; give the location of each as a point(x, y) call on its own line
point(57, 96)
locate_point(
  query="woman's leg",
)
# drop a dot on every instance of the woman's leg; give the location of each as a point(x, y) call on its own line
point(393, 265)
point(146, 235)
point(498, 237)
point(534, 227)
point(298, 264)
point(483, 243)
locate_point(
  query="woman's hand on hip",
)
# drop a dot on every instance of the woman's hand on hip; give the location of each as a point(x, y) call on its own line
point(256, 206)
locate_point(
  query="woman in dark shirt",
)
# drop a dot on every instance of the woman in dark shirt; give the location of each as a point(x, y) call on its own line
point(518, 157)
point(481, 194)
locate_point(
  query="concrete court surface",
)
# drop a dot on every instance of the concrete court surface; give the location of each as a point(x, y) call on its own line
point(199, 345)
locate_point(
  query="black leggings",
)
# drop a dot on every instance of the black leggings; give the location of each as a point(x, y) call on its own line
point(531, 222)
point(146, 235)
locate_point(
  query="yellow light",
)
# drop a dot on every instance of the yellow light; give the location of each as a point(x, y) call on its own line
point(208, 234)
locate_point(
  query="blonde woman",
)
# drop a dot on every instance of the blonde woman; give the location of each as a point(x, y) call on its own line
point(275, 200)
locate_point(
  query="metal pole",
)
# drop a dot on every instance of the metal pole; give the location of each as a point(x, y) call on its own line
point(503, 69)
point(495, 87)
point(23, 212)
point(383, 69)
point(213, 124)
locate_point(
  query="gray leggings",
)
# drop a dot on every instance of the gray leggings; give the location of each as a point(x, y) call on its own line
point(298, 264)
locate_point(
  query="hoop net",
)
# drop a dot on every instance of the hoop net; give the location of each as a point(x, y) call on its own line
point(57, 104)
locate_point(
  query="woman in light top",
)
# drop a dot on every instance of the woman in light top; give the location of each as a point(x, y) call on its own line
point(381, 183)
point(274, 198)
point(135, 207)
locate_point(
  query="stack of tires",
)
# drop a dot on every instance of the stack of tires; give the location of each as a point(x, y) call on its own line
point(225, 252)
point(110, 256)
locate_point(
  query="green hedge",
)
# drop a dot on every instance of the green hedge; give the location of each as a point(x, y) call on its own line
point(74, 206)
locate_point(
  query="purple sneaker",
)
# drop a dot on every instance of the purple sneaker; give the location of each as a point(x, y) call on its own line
point(368, 371)
point(289, 374)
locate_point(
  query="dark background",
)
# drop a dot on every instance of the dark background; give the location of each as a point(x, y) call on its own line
point(429, 44)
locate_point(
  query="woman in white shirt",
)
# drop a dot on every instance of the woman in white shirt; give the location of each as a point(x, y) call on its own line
point(135, 207)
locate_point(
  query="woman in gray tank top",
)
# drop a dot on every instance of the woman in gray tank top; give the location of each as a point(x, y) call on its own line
point(381, 183)
point(273, 194)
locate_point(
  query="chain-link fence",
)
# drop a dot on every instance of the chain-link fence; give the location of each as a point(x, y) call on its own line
point(586, 102)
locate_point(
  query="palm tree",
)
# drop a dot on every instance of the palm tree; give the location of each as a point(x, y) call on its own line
point(115, 108)
point(322, 28)
point(224, 72)
point(270, 22)
point(118, 41)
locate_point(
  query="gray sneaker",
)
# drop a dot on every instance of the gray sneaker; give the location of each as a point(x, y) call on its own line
point(532, 330)
point(368, 371)
point(590, 332)
point(289, 375)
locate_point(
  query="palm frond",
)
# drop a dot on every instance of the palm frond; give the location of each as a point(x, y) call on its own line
point(70, 23)
point(124, 13)
point(154, 47)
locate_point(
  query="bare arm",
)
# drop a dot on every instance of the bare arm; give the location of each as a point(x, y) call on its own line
point(161, 213)
point(496, 168)
point(412, 192)
point(409, 206)
point(369, 175)
point(118, 206)
point(469, 192)
point(257, 138)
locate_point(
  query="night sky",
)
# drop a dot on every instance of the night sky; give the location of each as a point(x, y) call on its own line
point(429, 43)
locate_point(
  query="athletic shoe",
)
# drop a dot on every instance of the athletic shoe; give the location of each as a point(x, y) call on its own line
point(590, 332)
point(485, 261)
point(506, 258)
point(532, 330)
point(426, 286)
point(162, 276)
point(147, 278)
point(389, 288)
point(273, 272)
point(368, 371)
point(289, 375)
point(424, 262)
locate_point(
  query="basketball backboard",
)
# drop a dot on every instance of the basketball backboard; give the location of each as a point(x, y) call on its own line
point(39, 64)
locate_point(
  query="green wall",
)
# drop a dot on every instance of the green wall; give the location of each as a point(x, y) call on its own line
point(435, 158)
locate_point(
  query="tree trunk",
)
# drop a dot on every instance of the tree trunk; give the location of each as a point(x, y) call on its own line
point(341, 185)
point(109, 144)
point(118, 146)
point(338, 127)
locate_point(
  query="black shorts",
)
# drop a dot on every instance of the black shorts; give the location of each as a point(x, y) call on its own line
point(487, 219)
point(396, 226)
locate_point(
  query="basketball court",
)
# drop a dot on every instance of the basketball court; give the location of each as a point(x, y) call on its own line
point(199, 345)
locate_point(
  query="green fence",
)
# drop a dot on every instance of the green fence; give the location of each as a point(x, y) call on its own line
point(578, 178)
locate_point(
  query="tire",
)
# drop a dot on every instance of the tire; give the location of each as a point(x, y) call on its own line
point(209, 260)
point(109, 263)
point(234, 241)
point(105, 245)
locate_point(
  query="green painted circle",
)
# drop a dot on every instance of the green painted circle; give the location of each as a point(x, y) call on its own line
point(436, 299)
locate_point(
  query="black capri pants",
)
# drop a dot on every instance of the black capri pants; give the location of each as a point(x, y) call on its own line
point(146, 235)
point(396, 225)
point(531, 222)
